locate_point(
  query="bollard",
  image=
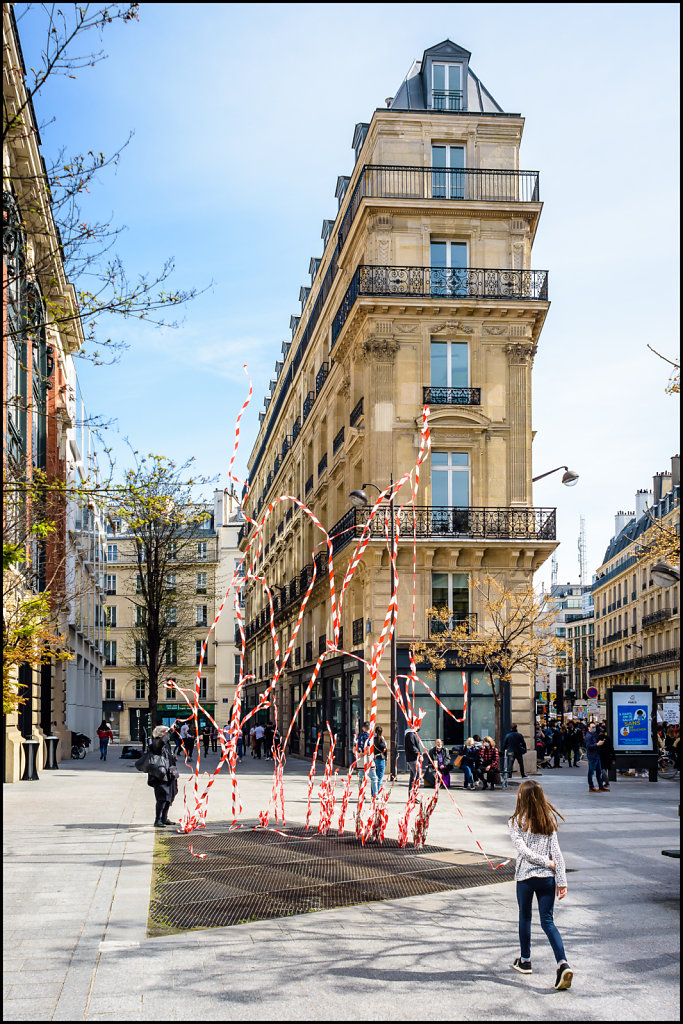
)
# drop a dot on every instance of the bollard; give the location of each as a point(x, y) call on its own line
point(51, 753)
point(30, 751)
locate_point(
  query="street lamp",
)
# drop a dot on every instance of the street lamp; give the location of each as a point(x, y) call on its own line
point(640, 648)
point(665, 575)
point(569, 477)
point(359, 497)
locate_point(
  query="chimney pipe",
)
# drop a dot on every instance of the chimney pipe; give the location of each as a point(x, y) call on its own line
point(675, 470)
point(643, 499)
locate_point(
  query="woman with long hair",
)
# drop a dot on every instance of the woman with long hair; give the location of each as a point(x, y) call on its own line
point(105, 736)
point(540, 870)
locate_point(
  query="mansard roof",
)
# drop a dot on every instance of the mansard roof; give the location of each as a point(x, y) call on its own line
point(415, 90)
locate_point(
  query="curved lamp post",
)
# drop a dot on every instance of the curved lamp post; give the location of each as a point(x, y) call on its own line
point(359, 498)
point(569, 477)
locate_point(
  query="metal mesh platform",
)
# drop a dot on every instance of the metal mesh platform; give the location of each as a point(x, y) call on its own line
point(255, 875)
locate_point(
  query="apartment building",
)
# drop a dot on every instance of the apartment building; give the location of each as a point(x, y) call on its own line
point(637, 622)
point(203, 566)
point(40, 443)
point(424, 294)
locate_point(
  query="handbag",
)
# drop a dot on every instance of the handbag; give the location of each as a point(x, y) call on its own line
point(158, 767)
point(141, 763)
point(458, 761)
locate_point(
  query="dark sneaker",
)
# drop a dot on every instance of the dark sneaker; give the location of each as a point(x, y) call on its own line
point(564, 976)
point(523, 966)
point(592, 789)
point(159, 824)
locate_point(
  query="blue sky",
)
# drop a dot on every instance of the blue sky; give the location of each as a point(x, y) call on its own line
point(243, 117)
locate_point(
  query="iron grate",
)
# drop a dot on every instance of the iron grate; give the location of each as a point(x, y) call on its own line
point(257, 875)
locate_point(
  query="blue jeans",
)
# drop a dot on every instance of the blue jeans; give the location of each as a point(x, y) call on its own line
point(545, 894)
point(469, 777)
point(103, 749)
point(372, 775)
point(380, 765)
point(594, 766)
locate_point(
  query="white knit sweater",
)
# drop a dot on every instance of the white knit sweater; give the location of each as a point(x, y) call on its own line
point(534, 853)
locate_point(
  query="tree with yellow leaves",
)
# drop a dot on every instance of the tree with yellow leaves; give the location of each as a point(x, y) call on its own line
point(513, 631)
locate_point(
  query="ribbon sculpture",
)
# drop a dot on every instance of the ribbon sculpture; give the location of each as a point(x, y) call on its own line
point(373, 825)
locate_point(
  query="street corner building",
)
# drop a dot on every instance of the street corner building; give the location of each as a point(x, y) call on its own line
point(45, 437)
point(424, 295)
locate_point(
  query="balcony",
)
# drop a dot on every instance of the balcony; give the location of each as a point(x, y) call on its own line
point(447, 99)
point(435, 626)
point(296, 427)
point(439, 183)
point(440, 283)
point(321, 377)
point(659, 616)
point(469, 523)
point(451, 396)
point(358, 632)
point(309, 485)
point(613, 637)
point(356, 413)
point(308, 404)
point(322, 465)
point(338, 441)
point(322, 643)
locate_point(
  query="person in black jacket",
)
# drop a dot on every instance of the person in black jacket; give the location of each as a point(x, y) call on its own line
point(515, 745)
point(606, 752)
point(166, 790)
point(443, 762)
point(411, 746)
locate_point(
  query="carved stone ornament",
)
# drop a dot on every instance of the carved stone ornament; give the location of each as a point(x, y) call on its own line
point(377, 348)
point(405, 328)
point(453, 325)
point(383, 251)
point(345, 385)
point(496, 329)
point(521, 352)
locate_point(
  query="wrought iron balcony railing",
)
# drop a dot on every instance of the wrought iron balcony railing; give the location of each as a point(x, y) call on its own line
point(357, 632)
point(434, 521)
point(442, 283)
point(321, 377)
point(436, 626)
point(659, 616)
point(451, 396)
point(447, 99)
point(338, 441)
point(309, 484)
point(322, 465)
point(356, 413)
point(308, 403)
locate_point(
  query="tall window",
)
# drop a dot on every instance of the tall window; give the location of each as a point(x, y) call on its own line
point(201, 582)
point(171, 615)
point(110, 689)
point(171, 581)
point(201, 550)
point(110, 652)
point(448, 261)
point(171, 652)
point(171, 694)
point(451, 479)
point(112, 552)
point(138, 583)
point(237, 669)
point(140, 615)
point(172, 550)
point(447, 86)
point(109, 615)
point(202, 611)
point(109, 583)
point(450, 592)
point(139, 689)
point(197, 651)
point(450, 364)
point(203, 688)
point(449, 181)
point(139, 652)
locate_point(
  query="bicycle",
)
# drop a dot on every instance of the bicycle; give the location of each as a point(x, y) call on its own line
point(79, 747)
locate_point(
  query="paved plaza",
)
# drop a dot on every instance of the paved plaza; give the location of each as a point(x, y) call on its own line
point(78, 864)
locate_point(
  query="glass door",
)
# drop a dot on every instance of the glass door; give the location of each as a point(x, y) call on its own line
point(450, 492)
point(449, 364)
point(449, 181)
point(448, 262)
point(447, 86)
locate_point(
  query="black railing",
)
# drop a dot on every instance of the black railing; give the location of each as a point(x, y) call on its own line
point(437, 626)
point(660, 657)
point(276, 464)
point(358, 632)
point(322, 643)
point(440, 282)
point(613, 637)
point(286, 445)
point(296, 427)
point(308, 403)
point(659, 616)
point(451, 396)
point(321, 377)
point(309, 650)
point(356, 413)
point(338, 441)
point(447, 99)
point(322, 465)
point(657, 658)
point(309, 484)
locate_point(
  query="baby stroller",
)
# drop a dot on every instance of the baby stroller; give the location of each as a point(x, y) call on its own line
point(79, 745)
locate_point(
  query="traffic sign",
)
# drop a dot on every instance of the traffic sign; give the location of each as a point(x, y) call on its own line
point(553, 696)
point(592, 692)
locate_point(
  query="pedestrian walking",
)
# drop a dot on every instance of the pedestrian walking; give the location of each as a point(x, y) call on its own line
point(363, 743)
point(540, 871)
point(380, 755)
point(258, 737)
point(514, 744)
point(214, 738)
point(593, 744)
point(490, 763)
point(187, 736)
point(252, 740)
point(606, 755)
point(175, 736)
point(577, 740)
point(206, 738)
point(557, 742)
point(443, 762)
point(162, 775)
point(105, 736)
point(411, 747)
point(268, 734)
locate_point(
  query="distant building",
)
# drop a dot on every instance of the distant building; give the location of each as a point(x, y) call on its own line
point(637, 623)
point(573, 611)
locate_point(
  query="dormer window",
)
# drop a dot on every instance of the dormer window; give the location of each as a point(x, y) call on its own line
point(447, 86)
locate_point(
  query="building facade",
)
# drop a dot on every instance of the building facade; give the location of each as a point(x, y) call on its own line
point(42, 333)
point(424, 294)
point(637, 622)
point(203, 566)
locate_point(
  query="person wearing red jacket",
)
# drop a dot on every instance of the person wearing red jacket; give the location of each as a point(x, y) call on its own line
point(489, 762)
point(105, 736)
